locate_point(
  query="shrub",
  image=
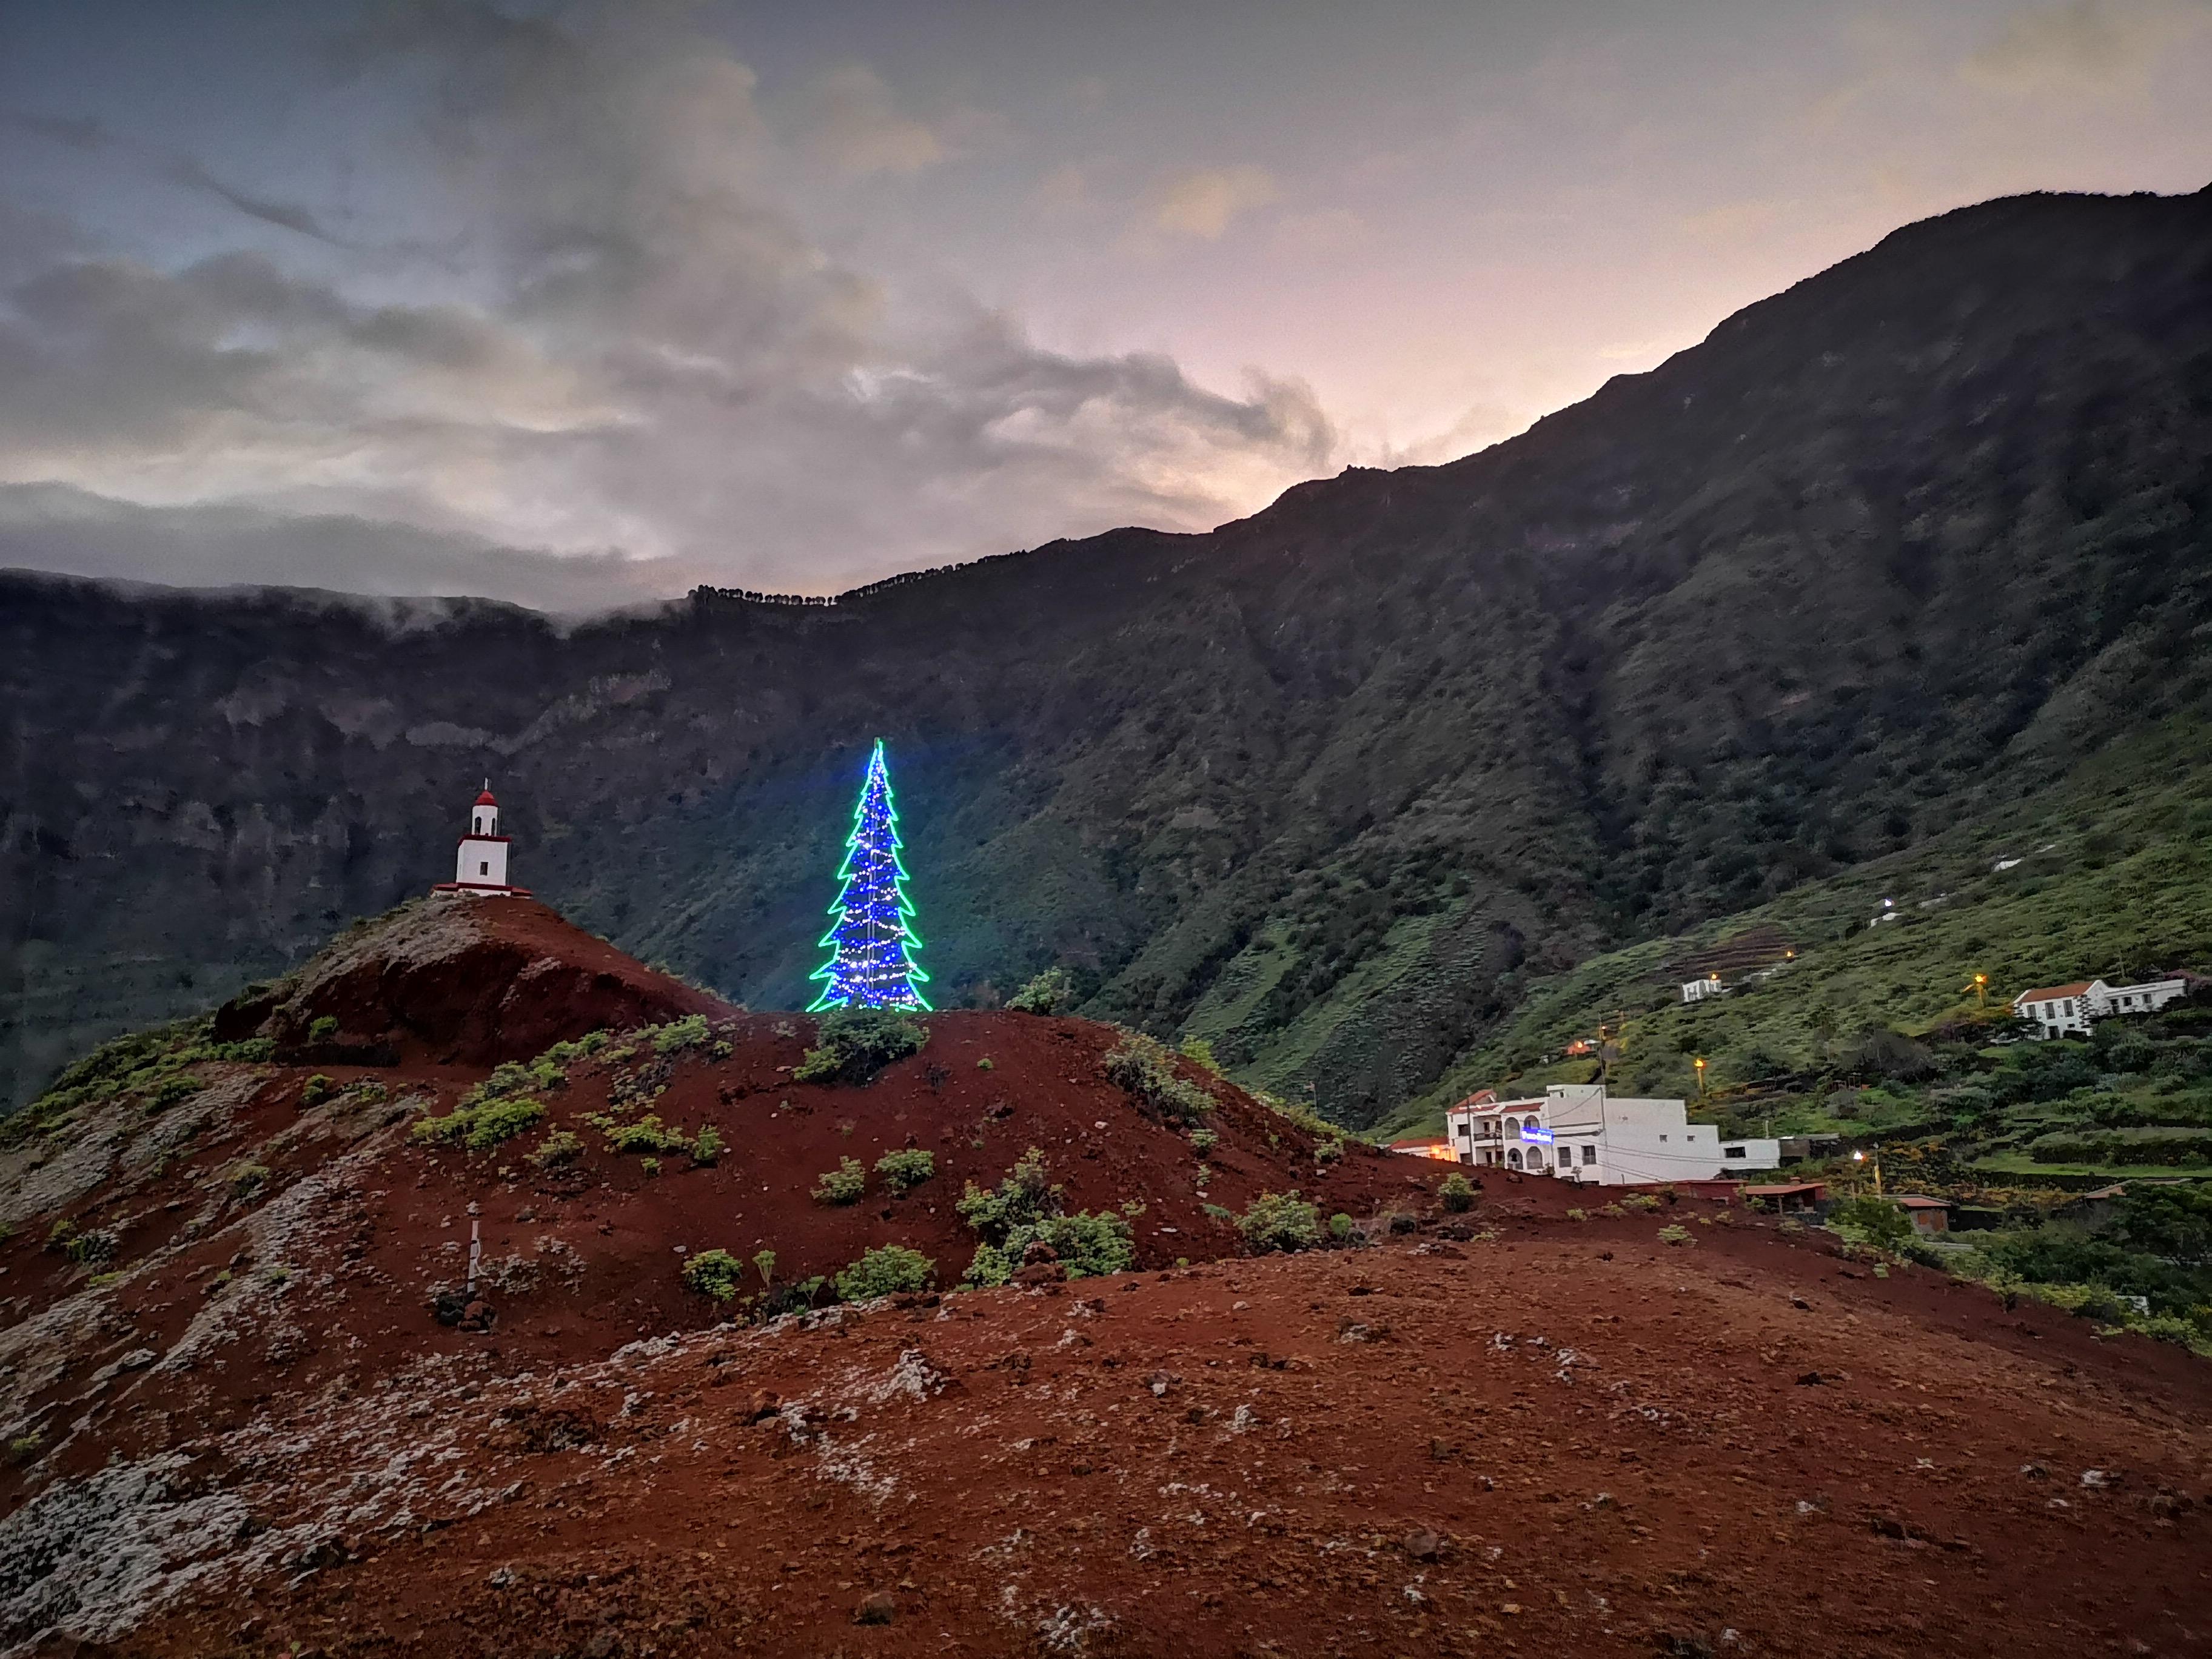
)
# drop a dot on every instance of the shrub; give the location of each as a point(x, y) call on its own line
point(886, 1270)
point(1145, 1069)
point(1340, 1227)
point(1674, 1233)
point(678, 1034)
point(1024, 1209)
point(323, 1029)
point(707, 1146)
point(853, 1044)
point(1645, 1202)
point(714, 1273)
point(905, 1169)
point(764, 1263)
point(650, 1166)
point(1052, 992)
point(842, 1185)
point(1869, 1221)
point(1087, 1246)
point(986, 1065)
point(1200, 1049)
point(1280, 1221)
point(1457, 1193)
point(1204, 1141)
point(171, 1090)
point(1328, 1150)
point(648, 1134)
point(557, 1151)
point(317, 1089)
point(95, 1245)
point(246, 1179)
point(481, 1126)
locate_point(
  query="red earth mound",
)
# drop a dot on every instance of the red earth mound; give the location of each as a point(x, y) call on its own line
point(461, 981)
point(235, 1425)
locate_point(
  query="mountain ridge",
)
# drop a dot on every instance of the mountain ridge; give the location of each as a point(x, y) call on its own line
point(1324, 782)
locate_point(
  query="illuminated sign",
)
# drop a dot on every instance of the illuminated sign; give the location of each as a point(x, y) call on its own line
point(1536, 1132)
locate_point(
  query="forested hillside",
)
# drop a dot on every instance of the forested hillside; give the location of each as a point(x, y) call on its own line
point(1330, 786)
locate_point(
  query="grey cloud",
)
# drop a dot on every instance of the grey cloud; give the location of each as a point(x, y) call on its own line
point(52, 527)
point(661, 360)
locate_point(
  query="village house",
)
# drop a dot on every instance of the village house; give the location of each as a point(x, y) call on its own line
point(1578, 1132)
point(1697, 990)
point(2067, 1010)
point(1928, 1215)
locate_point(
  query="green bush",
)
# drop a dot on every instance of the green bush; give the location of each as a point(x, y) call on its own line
point(480, 1127)
point(853, 1044)
point(678, 1034)
point(1457, 1193)
point(1022, 1199)
point(842, 1185)
point(1145, 1069)
point(1340, 1227)
point(1052, 992)
point(1867, 1219)
point(95, 1245)
point(1200, 1049)
point(322, 1029)
point(648, 1134)
point(1328, 1150)
point(557, 1151)
point(317, 1089)
point(714, 1273)
point(904, 1169)
point(1644, 1201)
point(708, 1146)
point(1280, 1221)
point(1024, 1209)
point(1204, 1141)
point(886, 1270)
point(1674, 1233)
point(764, 1262)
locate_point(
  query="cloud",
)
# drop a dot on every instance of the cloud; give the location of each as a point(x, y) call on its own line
point(52, 527)
point(1205, 202)
point(854, 121)
point(2101, 44)
point(1320, 236)
point(633, 344)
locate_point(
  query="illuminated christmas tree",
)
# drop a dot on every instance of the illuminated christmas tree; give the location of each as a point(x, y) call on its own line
point(871, 967)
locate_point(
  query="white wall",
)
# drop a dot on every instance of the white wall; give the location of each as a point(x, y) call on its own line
point(481, 864)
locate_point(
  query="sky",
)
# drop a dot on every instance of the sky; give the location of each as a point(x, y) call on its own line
point(578, 303)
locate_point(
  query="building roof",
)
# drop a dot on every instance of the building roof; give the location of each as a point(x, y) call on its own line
point(1919, 1201)
point(1784, 1189)
point(2050, 992)
point(485, 799)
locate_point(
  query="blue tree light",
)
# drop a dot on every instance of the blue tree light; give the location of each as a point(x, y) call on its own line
point(871, 965)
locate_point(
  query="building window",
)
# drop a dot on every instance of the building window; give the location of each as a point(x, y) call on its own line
point(485, 870)
point(1737, 1152)
point(1662, 1136)
point(1513, 1157)
point(1589, 1155)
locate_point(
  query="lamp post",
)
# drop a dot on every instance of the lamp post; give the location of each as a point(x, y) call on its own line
point(1861, 1157)
point(1699, 1062)
point(1982, 989)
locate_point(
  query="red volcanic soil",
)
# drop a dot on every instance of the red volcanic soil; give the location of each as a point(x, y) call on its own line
point(1511, 1431)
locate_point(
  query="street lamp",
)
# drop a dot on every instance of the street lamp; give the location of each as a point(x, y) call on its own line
point(1861, 1157)
point(1982, 989)
point(1699, 1062)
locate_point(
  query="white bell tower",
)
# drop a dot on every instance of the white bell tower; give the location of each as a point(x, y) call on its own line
point(480, 868)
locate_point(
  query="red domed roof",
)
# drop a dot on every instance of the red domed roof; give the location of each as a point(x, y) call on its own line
point(485, 799)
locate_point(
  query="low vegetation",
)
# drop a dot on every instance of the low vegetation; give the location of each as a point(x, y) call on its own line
point(1280, 1221)
point(842, 1185)
point(1026, 1210)
point(1052, 992)
point(481, 1127)
point(1146, 1069)
point(853, 1044)
point(716, 1274)
point(907, 1168)
point(1456, 1193)
point(885, 1270)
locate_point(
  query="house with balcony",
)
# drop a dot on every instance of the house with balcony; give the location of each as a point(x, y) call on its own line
point(1579, 1132)
point(2067, 1010)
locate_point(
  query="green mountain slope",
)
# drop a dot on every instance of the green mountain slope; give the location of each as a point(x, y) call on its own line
point(1329, 785)
point(2109, 874)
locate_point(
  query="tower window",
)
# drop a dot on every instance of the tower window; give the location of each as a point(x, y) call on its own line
point(483, 869)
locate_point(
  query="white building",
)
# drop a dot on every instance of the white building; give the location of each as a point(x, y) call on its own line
point(480, 865)
point(2066, 1010)
point(1580, 1132)
point(1697, 990)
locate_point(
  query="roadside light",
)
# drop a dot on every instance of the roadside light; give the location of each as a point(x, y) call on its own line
point(1699, 1062)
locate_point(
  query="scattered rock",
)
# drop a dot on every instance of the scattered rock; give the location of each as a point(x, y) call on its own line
point(1422, 1545)
point(2034, 1471)
point(877, 1609)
